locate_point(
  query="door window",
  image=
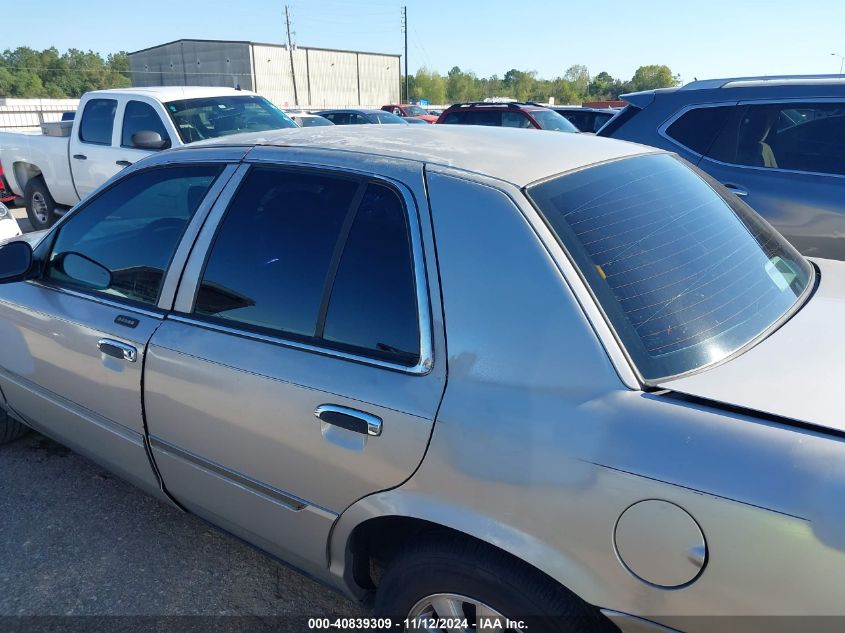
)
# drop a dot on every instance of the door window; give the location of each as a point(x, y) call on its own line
point(315, 258)
point(98, 121)
point(807, 137)
point(121, 242)
point(141, 117)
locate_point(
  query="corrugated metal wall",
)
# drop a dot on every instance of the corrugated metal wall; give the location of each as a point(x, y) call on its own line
point(324, 78)
point(193, 63)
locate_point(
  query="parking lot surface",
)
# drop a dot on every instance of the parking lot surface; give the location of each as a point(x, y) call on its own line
point(78, 541)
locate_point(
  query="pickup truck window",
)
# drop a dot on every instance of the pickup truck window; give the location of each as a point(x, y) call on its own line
point(98, 121)
point(213, 117)
point(131, 231)
point(141, 117)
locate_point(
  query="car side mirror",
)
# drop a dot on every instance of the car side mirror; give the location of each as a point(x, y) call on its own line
point(15, 261)
point(85, 271)
point(147, 139)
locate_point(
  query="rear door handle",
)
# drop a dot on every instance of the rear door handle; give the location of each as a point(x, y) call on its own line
point(736, 190)
point(349, 419)
point(122, 163)
point(116, 349)
point(80, 157)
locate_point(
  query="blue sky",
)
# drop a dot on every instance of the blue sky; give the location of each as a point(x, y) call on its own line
point(715, 38)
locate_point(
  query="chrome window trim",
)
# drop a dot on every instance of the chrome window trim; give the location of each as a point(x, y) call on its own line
point(167, 294)
point(662, 129)
point(186, 294)
point(128, 307)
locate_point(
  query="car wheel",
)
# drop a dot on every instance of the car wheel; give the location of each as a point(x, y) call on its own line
point(40, 206)
point(10, 429)
point(474, 587)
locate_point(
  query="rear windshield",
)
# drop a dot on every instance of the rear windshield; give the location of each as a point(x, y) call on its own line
point(212, 117)
point(686, 275)
point(551, 120)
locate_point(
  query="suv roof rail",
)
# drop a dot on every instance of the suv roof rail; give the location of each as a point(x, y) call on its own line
point(704, 84)
point(510, 104)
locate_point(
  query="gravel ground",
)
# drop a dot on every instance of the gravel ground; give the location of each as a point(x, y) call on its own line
point(77, 541)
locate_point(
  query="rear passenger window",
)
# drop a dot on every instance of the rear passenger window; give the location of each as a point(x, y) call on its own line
point(373, 305)
point(698, 128)
point(268, 265)
point(318, 259)
point(98, 121)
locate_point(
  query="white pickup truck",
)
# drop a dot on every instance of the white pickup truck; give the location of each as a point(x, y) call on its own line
point(115, 128)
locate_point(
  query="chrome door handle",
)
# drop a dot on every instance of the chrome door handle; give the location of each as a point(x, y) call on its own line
point(116, 349)
point(349, 419)
point(736, 190)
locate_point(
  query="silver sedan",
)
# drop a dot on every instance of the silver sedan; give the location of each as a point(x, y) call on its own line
point(480, 379)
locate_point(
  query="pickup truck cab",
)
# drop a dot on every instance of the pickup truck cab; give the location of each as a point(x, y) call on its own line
point(115, 128)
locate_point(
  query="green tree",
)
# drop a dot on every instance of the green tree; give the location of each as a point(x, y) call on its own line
point(654, 76)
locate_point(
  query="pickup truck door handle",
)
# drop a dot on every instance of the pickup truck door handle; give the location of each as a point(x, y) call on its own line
point(123, 163)
point(116, 349)
point(349, 419)
point(736, 190)
point(80, 157)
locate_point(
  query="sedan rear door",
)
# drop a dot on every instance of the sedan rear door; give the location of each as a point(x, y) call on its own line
point(300, 371)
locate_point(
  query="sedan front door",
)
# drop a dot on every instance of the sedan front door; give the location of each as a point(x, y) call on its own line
point(73, 341)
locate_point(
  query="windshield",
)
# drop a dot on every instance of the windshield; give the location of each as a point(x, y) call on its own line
point(212, 117)
point(686, 275)
point(414, 111)
point(551, 120)
point(385, 117)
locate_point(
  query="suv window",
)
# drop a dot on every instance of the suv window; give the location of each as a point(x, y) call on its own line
point(699, 127)
point(141, 117)
point(98, 121)
point(475, 117)
point(803, 137)
point(331, 265)
point(373, 303)
point(131, 230)
point(515, 119)
point(338, 118)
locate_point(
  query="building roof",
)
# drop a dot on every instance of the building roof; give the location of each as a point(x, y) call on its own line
point(516, 156)
point(251, 43)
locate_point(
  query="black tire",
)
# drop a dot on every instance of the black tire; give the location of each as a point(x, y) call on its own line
point(10, 429)
point(40, 206)
point(454, 565)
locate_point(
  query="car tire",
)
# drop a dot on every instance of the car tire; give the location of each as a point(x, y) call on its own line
point(10, 429)
point(452, 567)
point(40, 206)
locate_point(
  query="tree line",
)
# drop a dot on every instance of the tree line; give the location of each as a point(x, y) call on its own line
point(574, 86)
point(28, 73)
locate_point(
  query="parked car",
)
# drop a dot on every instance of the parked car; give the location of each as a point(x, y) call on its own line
point(414, 120)
point(8, 224)
point(505, 114)
point(585, 119)
point(778, 142)
point(411, 112)
point(361, 117)
point(465, 373)
point(115, 128)
point(6, 194)
point(306, 119)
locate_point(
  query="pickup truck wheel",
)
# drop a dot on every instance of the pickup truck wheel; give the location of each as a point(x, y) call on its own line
point(456, 584)
point(10, 429)
point(40, 206)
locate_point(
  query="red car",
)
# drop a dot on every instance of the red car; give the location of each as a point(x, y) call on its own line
point(6, 194)
point(506, 114)
point(408, 110)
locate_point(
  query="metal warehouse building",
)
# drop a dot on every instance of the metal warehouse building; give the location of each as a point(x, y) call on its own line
point(310, 77)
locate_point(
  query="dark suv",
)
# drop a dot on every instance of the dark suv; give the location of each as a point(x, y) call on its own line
point(779, 142)
point(506, 114)
point(586, 119)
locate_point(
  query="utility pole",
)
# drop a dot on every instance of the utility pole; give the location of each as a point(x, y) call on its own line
point(405, 29)
point(290, 52)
